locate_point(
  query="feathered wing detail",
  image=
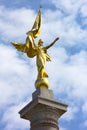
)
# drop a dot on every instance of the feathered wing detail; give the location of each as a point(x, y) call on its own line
point(19, 46)
point(26, 48)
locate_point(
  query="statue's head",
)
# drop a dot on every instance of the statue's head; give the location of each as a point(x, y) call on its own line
point(40, 42)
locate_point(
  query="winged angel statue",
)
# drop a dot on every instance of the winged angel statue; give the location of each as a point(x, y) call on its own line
point(32, 50)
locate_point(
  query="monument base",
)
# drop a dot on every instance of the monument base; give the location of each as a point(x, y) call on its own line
point(43, 111)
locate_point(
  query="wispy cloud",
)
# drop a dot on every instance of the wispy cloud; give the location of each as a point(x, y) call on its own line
point(71, 23)
point(15, 23)
point(12, 119)
point(70, 115)
point(13, 71)
point(16, 87)
point(84, 108)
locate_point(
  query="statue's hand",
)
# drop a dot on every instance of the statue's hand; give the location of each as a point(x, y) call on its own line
point(57, 39)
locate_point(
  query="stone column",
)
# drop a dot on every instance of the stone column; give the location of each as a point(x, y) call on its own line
point(43, 111)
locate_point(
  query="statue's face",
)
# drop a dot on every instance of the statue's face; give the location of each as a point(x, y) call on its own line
point(40, 43)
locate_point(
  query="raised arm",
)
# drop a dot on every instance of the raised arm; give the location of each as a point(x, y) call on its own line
point(47, 47)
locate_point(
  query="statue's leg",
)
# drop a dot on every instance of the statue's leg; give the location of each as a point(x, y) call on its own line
point(40, 72)
point(45, 73)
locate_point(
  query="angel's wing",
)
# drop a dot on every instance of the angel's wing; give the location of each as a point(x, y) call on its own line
point(20, 47)
point(28, 47)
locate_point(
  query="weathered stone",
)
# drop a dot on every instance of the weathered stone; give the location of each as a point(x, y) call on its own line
point(43, 111)
point(43, 92)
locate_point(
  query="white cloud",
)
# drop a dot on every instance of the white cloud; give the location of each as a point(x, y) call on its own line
point(12, 120)
point(16, 86)
point(15, 23)
point(70, 114)
point(70, 74)
point(83, 10)
point(84, 108)
point(69, 6)
point(14, 71)
point(70, 30)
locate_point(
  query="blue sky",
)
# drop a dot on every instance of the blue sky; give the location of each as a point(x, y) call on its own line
point(66, 19)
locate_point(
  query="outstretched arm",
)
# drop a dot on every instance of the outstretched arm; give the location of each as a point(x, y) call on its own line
point(51, 43)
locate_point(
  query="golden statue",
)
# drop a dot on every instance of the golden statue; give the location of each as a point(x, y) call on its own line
point(31, 49)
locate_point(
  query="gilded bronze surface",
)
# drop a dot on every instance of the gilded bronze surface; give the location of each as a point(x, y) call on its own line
point(32, 50)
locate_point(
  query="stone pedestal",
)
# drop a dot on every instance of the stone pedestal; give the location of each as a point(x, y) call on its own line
point(43, 111)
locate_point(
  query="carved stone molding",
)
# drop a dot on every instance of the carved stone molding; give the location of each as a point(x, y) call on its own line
point(43, 111)
point(43, 114)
